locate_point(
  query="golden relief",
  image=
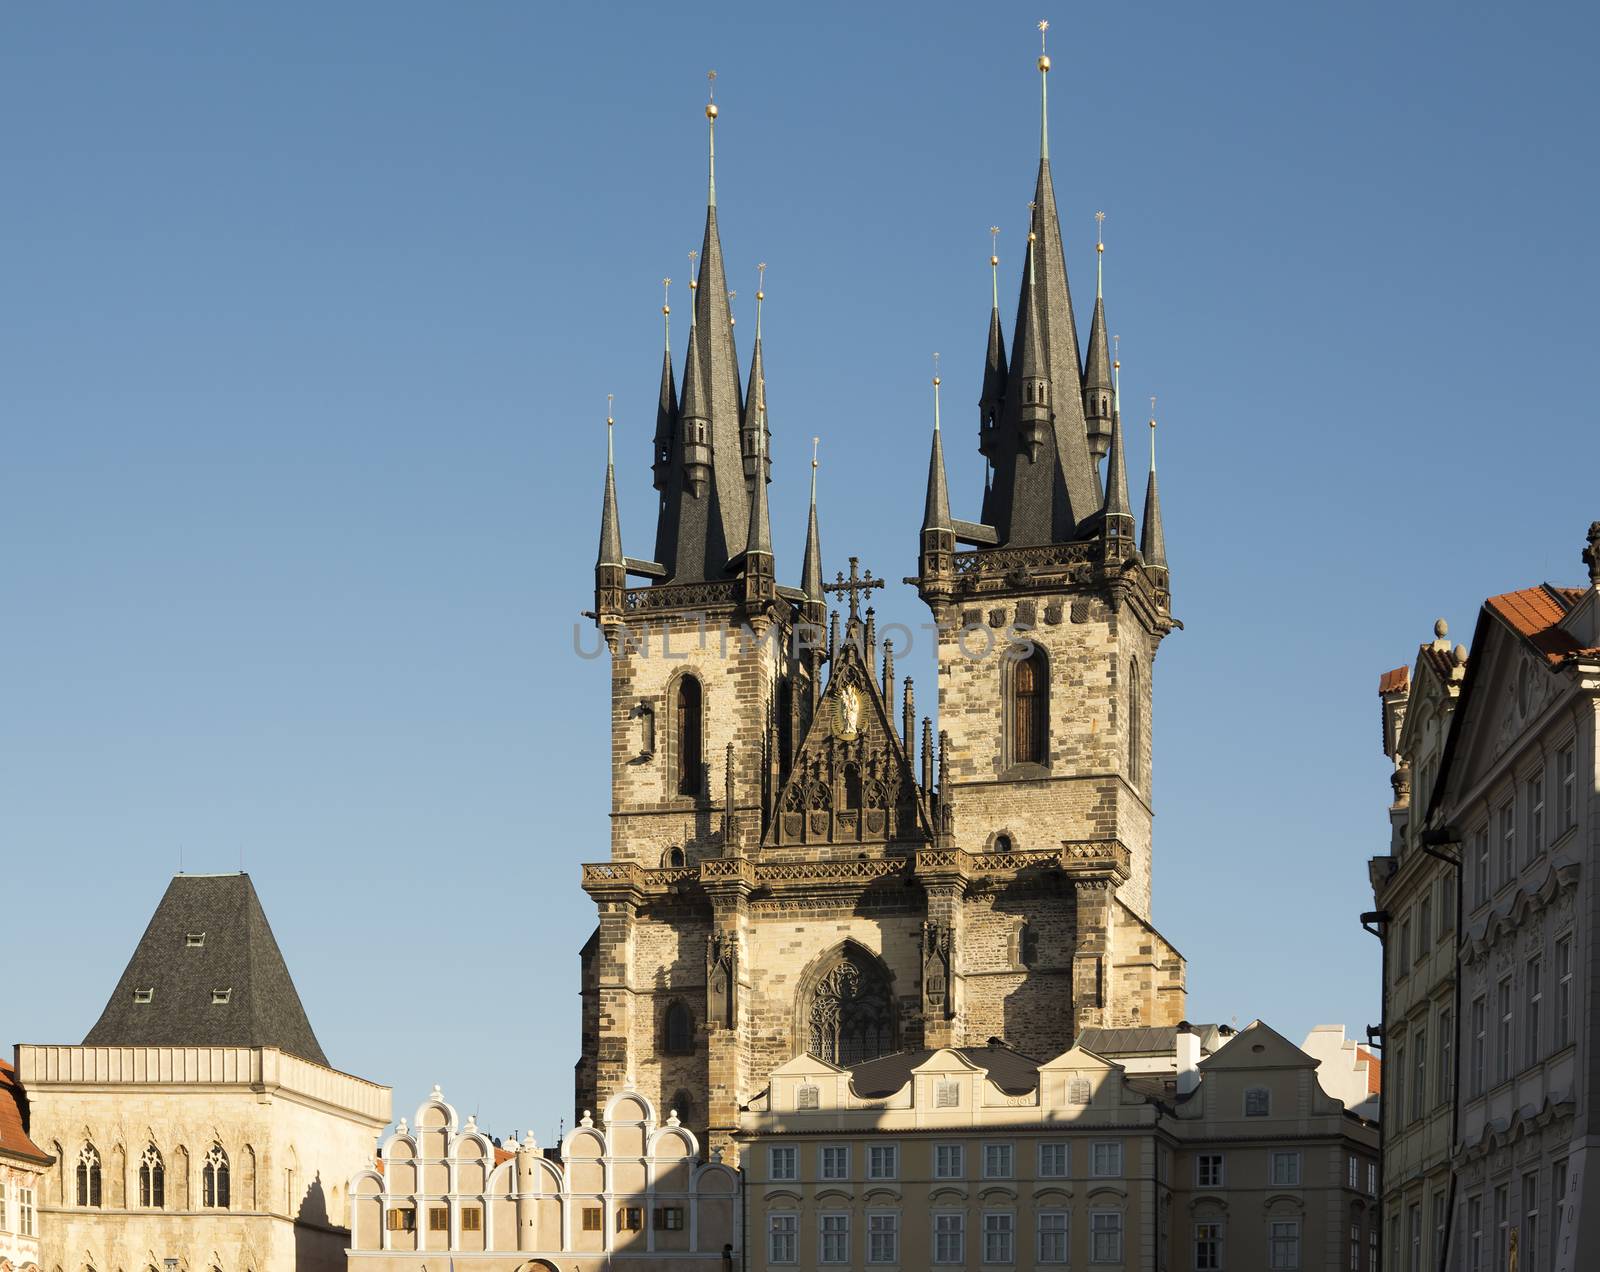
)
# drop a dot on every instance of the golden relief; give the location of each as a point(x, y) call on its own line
point(847, 714)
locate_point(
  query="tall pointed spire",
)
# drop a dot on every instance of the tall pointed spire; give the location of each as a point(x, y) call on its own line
point(755, 399)
point(610, 527)
point(1097, 387)
point(1153, 542)
point(936, 561)
point(667, 401)
point(994, 365)
point(936, 511)
point(811, 570)
point(1118, 509)
point(760, 584)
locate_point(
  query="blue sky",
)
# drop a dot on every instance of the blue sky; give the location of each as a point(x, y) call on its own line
point(308, 318)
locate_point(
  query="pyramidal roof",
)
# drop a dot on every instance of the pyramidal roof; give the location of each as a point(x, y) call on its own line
point(207, 973)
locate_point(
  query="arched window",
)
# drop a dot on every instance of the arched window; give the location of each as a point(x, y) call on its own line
point(852, 787)
point(214, 1187)
point(1135, 719)
point(1002, 843)
point(850, 1017)
point(672, 859)
point(679, 1040)
point(88, 1176)
point(1030, 708)
point(689, 715)
point(683, 1105)
point(152, 1179)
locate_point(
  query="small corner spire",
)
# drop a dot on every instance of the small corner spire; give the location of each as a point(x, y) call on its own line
point(1098, 406)
point(1044, 94)
point(666, 403)
point(936, 511)
point(610, 528)
point(711, 124)
point(1153, 540)
point(811, 568)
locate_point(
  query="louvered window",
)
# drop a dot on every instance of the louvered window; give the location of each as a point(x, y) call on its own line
point(1030, 707)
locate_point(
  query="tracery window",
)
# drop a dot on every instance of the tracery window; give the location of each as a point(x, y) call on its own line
point(88, 1176)
point(679, 1040)
point(690, 747)
point(852, 787)
point(851, 1014)
point(152, 1179)
point(214, 1189)
point(1030, 694)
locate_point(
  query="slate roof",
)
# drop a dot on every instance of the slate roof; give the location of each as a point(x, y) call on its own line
point(1146, 1040)
point(236, 952)
point(14, 1141)
point(1012, 1071)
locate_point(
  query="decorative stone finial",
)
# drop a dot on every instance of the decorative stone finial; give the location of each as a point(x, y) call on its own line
point(436, 1093)
point(402, 1128)
point(672, 1118)
point(587, 1119)
point(1441, 629)
point(1591, 554)
point(530, 1142)
point(1461, 655)
point(472, 1122)
point(716, 1156)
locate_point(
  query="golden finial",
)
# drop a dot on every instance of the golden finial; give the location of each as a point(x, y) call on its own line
point(666, 310)
point(1152, 432)
point(1044, 61)
point(610, 427)
point(731, 296)
point(711, 94)
point(994, 263)
point(936, 393)
point(711, 124)
point(694, 283)
point(1116, 378)
point(761, 293)
point(1116, 353)
point(1099, 253)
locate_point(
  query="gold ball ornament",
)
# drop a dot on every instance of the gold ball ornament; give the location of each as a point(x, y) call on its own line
point(994, 260)
point(711, 110)
point(1044, 62)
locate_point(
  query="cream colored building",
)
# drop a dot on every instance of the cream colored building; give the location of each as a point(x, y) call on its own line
point(22, 1171)
point(979, 1156)
point(630, 1192)
point(199, 1120)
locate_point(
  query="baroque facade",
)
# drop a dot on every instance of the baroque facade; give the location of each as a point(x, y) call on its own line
point(199, 1119)
point(629, 1191)
point(23, 1165)
point(1232, 1158)
point(794, 865)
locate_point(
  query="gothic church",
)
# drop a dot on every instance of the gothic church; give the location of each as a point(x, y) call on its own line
point(795, 865)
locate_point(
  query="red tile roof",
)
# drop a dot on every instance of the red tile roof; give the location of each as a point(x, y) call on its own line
point(1374, 1070)
point(1394, 681)
point(1535, 614)
point(13, 1138)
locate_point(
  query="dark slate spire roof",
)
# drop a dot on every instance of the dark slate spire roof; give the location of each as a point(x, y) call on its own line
point(1118, 508)
point(666, 421)
point(610, 529)
point(236, 953)
point(811, 571)
point(1153, 542)
point(936, 511)
point(758, 532)
point(699, 533)
point(755, 431)
point(994, 369)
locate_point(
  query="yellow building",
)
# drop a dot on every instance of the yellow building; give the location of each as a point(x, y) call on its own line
point(22, 1169)
point(629, 1192)
point(979, 1156)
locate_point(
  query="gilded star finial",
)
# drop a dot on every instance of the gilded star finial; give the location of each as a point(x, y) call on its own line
point(1033, 209)
point(761, 293)
point(711, 94)
point(732, 295)
point(611, 425)
point(694, 283)
point(936, 392)
point(815, 442)
point(1099, 254)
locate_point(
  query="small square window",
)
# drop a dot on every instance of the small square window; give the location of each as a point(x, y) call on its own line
point(630, 1218)
point(471, 1219)
point(997, 1161)
point(438, 1218)
point(1052, 1161)
point(833, 1161)
point(1105, 1159)
point(401, 1219)
point(783, 1163)
point(144, 995)
point(220, 996)
point(883, 1161)
point(1208, 1170)
point(594, 1219)
point(947, 1162)
point(1286, 1170)
point(947, 1095)
point(808, 1096)
point(1258, 1102)
point(669, 1218)
point(194, 940)
point(1078, 1091)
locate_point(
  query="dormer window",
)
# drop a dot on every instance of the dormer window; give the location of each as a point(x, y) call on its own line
point(219, 997)
point(194, 940)
point(144, 995)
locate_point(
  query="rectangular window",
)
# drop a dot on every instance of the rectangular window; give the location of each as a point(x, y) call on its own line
point(401, 1219)
point(783, 1163)
point(1372, 1179)
point(1445, 1078)
point(1355, 1247)
point(1079, 1091)
point(1447, 904)
point(594, 1219)
point(438, 1218)
point(1397, 1088)
point(947, 1094)
point(1480, 866)
point(1506, 1035)
point(1419, 1072)
point(1502, 1228)
point(833, 1237)
point(1402, 950)
point(1535, 844)
point(783, 1238)
point(947, 1163)
point(1558, 1202)
point(997, 1161)
point(1105, 1236)
point(1208, 1171)
point(4, 1217)
point(1105, 1159)
point(1354, 1173)
point(669, 1218)
point(630, 1218)
point(1258, 1102)
point(1563, 1030)
point(883, 1236)
point(1475, 1234)
point(1567, 767)
point(1053, 1232)
point(25, 1210)
point(1436, 1250)
point(1508, 843)
point(1372, 1242)
point(999, 1236)
point(1283, 1244)
point(1528, 1241)
point(1476, 1071)
point(1285, 1170)
point(1533, 1018)
point(834, 1161)
point(1424, 925)
point(949, 1237)
point(883, 1161)
point(1414, 1239)
point(1208, 1247)
point(471, 1219)
point(1052, 1161)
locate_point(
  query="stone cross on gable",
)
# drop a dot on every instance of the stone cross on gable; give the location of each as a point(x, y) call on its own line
point(856, 586)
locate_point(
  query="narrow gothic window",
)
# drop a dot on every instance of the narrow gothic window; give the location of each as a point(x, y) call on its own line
point(88, 1176)
point(679, 1030)
point(852, 786)
point(689, 742)
point(1135, 740)
point(683, 1105)
point(1029, 709)
point(785, 727)
point(214, 1179)
point(152, 1179)
point(647, 730)
point(851, 1016)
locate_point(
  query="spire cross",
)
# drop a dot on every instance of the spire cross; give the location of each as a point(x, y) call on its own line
point(1152, 432)
point(731, 297)
point(711, 121)
point(1116, 374)
point(815, 442)
point(856, 586)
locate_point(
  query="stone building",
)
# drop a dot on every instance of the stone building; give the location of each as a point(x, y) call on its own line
point(1517, 799)
point(794, 866)
point(22, 1173)
point(629, 1192)
point(199, 1119)
point(1414, 901)
point(980, 1156)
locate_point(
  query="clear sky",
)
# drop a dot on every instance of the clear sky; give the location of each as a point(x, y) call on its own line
point(307, 318)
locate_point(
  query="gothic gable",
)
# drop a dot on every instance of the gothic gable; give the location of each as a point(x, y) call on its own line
point(852, 780)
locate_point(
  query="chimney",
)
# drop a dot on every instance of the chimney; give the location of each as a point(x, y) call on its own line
point(1188, 1058)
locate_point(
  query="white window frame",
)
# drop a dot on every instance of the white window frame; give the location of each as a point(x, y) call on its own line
point(1354, 1180)
point(1563, 1012)
point(1508, 840)
point(1478, 1065)
point(959, 1170)
point(999, 1161)
point(1534, 849)
point(1217, 1166)
point(883, 1152)
point(788, 1154)
point(1216, 1260)
point(1283, 1260)
point(27, 1213)
point(1506, 1037)
point(1567, 763)
point(842, 1155)
point(783, 1224)
point(825, 1235)
point(1001, 1225)
point(1533, 1009)
point(957, 1231)
point(1063, 1232)
point(1047, 1167)
point(881, 1225)
point(1114, 1149)
point(1284, 1168)
point(1112, 1232)
point(1261, 1096)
